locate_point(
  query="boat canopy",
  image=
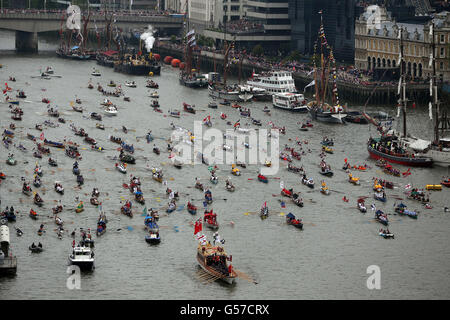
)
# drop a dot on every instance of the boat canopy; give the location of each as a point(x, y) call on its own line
point(290, 216)
point(419, 145)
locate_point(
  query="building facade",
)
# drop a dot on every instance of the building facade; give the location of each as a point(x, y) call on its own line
point(377, 44)
point(339, 23)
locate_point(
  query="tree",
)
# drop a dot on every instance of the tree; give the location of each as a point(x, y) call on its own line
point(258, 50)
point(173, 38)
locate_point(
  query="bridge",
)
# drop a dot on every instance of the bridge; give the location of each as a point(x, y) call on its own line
point(28, 24)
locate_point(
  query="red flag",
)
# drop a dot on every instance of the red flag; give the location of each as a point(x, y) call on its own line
point(42, 136)
point(237, 123)
point(197, 227)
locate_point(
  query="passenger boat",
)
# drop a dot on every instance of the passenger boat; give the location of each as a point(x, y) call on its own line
point(272, 82)
point(154, 95)
point(446, 183)
point(378, 150)
point(291, 220)
point(175, 113)
point(191, 208)
point(290, 101)
point(287, 193)
point(57, 209)
point(158, 176)
point(210, 220)
point(82, 257)
point(139, 197)
point(11, 161)
point(94, 201)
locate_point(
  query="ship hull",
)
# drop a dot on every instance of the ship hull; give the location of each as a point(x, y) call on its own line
point(440, 158)
point(137, 70)
point(193, 83)
point(302, 109)
point(213, 272)
point(327, 117)
point(412, 162)
point(233, 96)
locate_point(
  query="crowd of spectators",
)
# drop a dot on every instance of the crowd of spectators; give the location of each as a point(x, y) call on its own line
point(242, 26)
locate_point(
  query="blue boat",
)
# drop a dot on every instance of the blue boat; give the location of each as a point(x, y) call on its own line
point(208, 196)
point(381, 217)
point(401, 209)
point(262, 178)
point(380, 196)
point(127, 147)
point(53, 144)
point(153, 229)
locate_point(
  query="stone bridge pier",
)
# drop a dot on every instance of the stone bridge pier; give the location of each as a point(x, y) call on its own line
point(26, 41)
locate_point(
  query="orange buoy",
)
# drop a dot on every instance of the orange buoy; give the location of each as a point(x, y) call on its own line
point(175, 63)
point(168, 59)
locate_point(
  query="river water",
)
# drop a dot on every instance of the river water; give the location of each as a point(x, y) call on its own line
point(327, 260)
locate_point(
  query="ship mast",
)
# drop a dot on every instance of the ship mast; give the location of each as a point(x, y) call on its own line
point(434, 86)
point(403, 82)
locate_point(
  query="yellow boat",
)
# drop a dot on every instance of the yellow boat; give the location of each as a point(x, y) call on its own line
point(377, 186)
point(353, 180)
point(433, 187)
point(327, 149)
point(268, 163)
point(235, 170)
point(80, 207)
point(324, 188)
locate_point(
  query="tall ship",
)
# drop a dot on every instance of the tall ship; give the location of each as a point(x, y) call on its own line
point(224, 91)
point(392, 146)
point(190, 77)
point(138, 64)
point(273, 82)
point(318, 108)
point(439, 148)
point(67, 49)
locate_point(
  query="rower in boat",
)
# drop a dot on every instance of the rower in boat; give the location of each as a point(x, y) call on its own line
point(208, 196)
point(308, 182)
point(57, 209)
point(38, 200)
point(229, 186)
point(198, 185)
point(80, 180)
point(291, 220)
point(191, 208)
point(171, 206)
point(59, 188)
point(297, 199)
point(37, 182)
point(264, 213)
point(210, 219)
point(75, 169)
point(95, 193)
point(353, 180)
point(126, 209)
point(386, 234)
point(33, 214)
point(52, 162)
point(26, 189)
point(121, 167)
point(156, 150)
point(234, 170)
point(324, 189)
point(361, 205)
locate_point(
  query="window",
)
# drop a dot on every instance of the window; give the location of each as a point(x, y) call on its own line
point(442, 52)
point(442, 38)
point(441, 65)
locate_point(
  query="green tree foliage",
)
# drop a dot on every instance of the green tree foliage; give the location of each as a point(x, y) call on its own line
point(258, 50)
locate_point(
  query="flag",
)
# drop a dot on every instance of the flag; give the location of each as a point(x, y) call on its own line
point(283, 204)
point(373, 207)
point(42, 136)
point(309, 73)
point(310, 84)
point(408, 186)
point(191, 39)
point(237, 123)
point(197, 226)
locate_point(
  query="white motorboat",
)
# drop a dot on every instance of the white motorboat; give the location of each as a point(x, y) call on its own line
point(290, 101)
point(274, 81)
point(121, 167)
point(111, 110)
point(82, 257)
point(96, 73)
point(130, 84)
